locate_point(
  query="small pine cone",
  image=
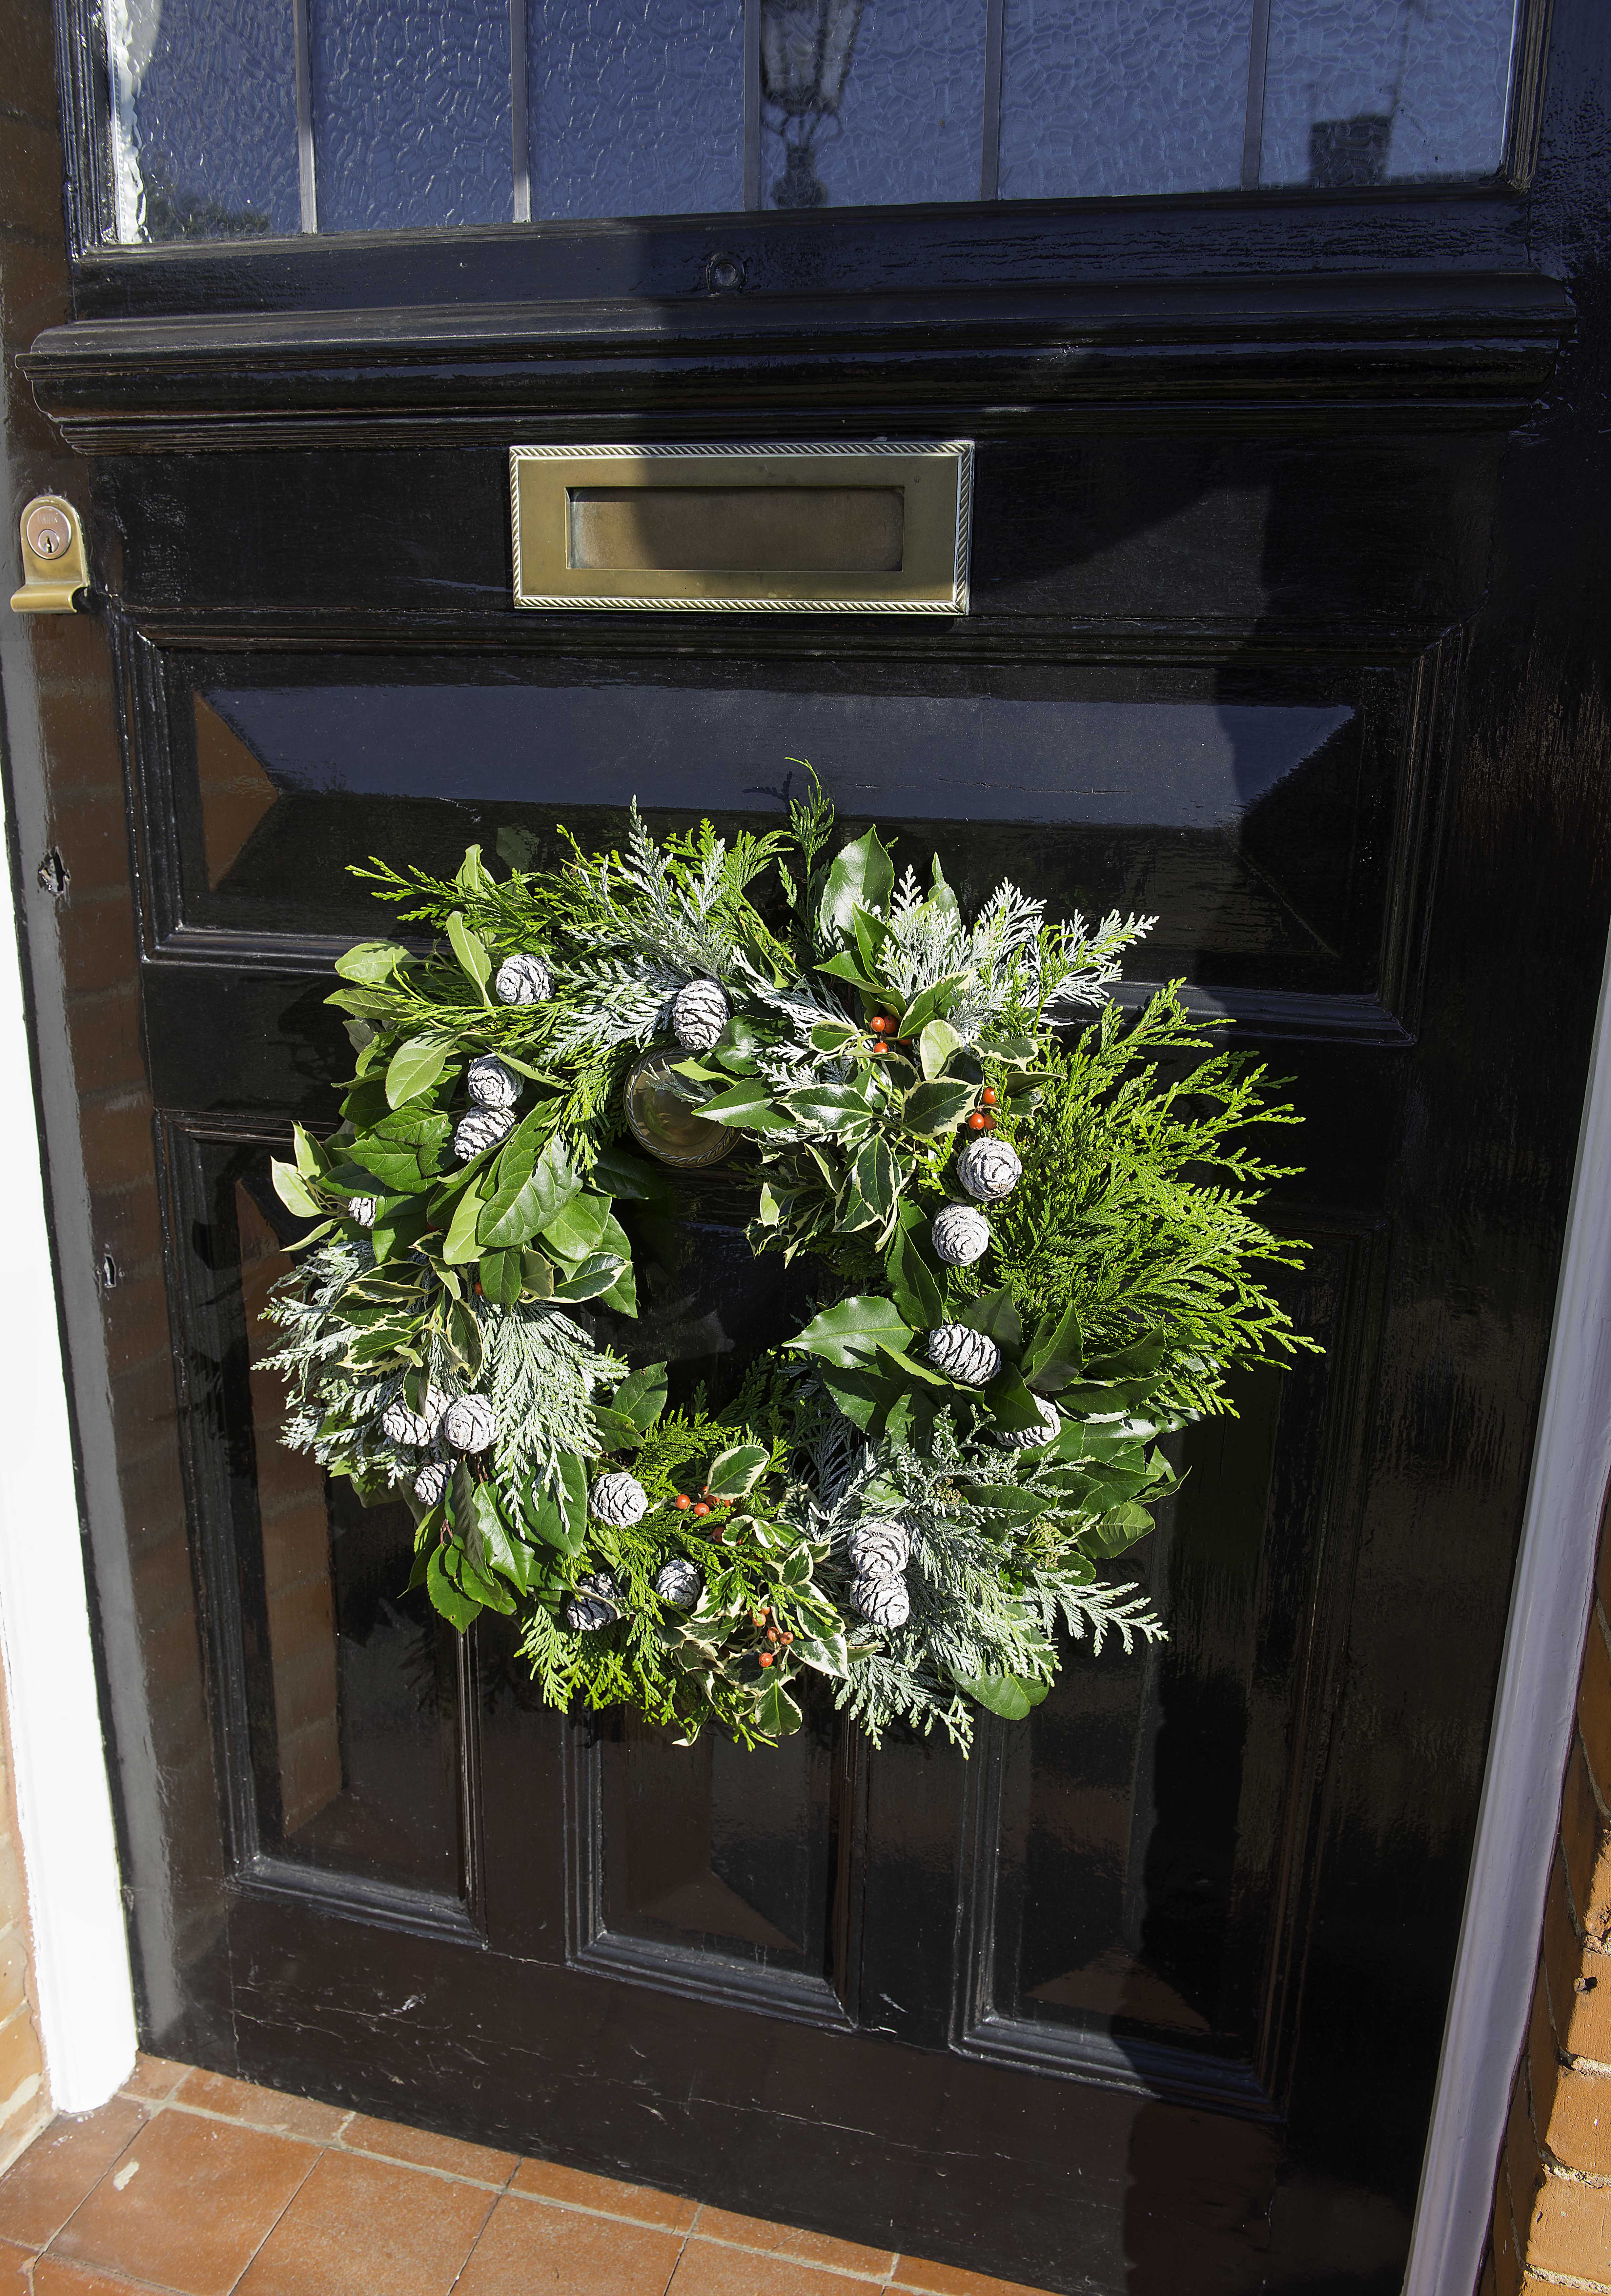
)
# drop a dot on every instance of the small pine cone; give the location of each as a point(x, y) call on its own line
point(680, 1583)
point(699, 1015)
point(597, 1602)
point(989, 1168)
point(881, 1602)
point(1032, 1439)
point(617, 1499)
point(522, 979)
point(432, 1482)
point(879, 1549)
point(971, 1358)
point(960, 1236)
point(483, 1128)
point(412, 1430)
point(469, 1425)
point(361, 1209)
point(491, 1083)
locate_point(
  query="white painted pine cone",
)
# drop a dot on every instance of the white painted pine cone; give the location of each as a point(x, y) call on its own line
point(971, 1358)
point(680, 1583)
point(361, 1209)
point(879, 1549)
point(413, 1429)
point(432, 1482)
point(988, 1169)
point(522, 979)
point(469, 1425)
point(491, 1083)
point(699, 1015)
point(483, 1128)
point(618, 1499)
point(881, 1602)
point(1032, 1439)
point(960, 1235)
point(597, 1602)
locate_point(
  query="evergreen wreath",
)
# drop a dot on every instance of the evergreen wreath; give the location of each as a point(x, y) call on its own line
point(1029, 1217)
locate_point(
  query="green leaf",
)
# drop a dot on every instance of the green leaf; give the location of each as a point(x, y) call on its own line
point(575, 1228)
point(736, 1046)
point(459, 1610)
point(936, 1107)
point(465, 1336)
point(312, 1162)
point(933, 1003)
point(573, 1480)
point(775, 1711)
point(1011, 1696)
point(1006, 1498)
point(472, 875)
point(620, 1173)
point(537, 1276)
point(748, 1106)
point(545, 1517)
point(871, 934)
point(913, 1273)
point(293, 1191)
point(876, 1178)
point(845, 968)
point(831, 1107)
point(414, 1067)
point(735, 1472)
point(598, 1273)
point(993, 1312)
point(501, 1549)
point(825, 1652)
point(865, 1393)
point(501, 1278)
point(1008, 1401)
point(941, 900)
point(937, 1040)
point(642, 1396)
point(862, 873)
point(616, 1431)
point(1056, 1353)
point(471, 951)
point(371, 961)
point(461, 1245)
point(1135, 1361)
point(833, 1036)
point(847, 1333)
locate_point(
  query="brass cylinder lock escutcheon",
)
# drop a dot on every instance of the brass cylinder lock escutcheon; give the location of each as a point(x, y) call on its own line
point(54, 568)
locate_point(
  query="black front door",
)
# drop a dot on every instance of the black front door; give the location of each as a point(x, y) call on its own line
point(1281, 625)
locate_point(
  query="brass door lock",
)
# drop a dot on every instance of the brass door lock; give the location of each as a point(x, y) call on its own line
point(54, 569)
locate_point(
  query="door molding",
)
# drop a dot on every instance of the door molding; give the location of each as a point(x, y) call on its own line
point(1527, 1747)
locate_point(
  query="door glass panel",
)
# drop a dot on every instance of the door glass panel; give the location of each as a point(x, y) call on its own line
point(1364, 92)
point(715, 1848)
point(352, 1684)
point(411, 113)
point(649, 107)
point(634, 109)
point(204, 117)
point(1253, 813)
point(1121, 95)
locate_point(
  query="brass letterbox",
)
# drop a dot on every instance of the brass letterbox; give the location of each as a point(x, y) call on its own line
point(879, 527)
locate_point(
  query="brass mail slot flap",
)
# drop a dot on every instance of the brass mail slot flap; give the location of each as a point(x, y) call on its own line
point(874, 527)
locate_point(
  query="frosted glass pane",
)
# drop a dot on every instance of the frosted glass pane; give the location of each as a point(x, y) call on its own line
point(204, 118)
point(1105, 96)
point(411, 113)
point(636, 106)
point(1386, 91)
point(910, 118)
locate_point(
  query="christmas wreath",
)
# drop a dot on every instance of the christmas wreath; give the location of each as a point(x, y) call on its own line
point(1027, 1218)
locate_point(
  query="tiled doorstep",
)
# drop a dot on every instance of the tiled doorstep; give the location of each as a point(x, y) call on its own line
point(194, 2184)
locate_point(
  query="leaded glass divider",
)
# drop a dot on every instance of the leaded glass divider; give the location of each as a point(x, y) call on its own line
point(246, 118)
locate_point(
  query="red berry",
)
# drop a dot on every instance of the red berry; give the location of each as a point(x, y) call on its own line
point(880, 1024)
point(766, 1658)
point(977, 1122)
point(788, 1638)
point(878, 1046)
point(990, 1123)
point(683, 1500)
point(700, 1507)
point(989, 1095)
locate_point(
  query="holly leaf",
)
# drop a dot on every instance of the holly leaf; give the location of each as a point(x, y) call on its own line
point(876, 1178)
point(748, 1106)
point(371, 961)
point(935, 1107)
point(830, 1107)
point(933, 1003)
point(937, 1040)
point(833, 1036)
point(862, 875)
point(848, 1333)
point(775, 1711)
point(641, 1396)
point(735, 1472)
point(414, 1067)
point(1012, 1696)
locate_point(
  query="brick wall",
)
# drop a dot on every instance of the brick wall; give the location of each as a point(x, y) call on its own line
point(1552, 2204)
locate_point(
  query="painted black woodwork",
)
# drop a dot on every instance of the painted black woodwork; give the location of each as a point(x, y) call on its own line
point(1147, 1997)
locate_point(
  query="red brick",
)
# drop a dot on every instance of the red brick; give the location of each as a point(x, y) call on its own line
point(1568, 2229)
point(1583, 1839)
point(1594, 1709)
point(1577, 2129)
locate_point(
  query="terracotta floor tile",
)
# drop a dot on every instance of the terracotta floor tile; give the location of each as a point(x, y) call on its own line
point(154, 2078)
point(421, 2148)
point(548, 2181)
point(53, 2279)
point(704, 2269)
point(528, 2246)
point(40, 2191)
point(358, 2228)
point(204, 2194)
point(14, 2262)
point(262, 2108)
point(783, 2240)
point(948, 2280)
